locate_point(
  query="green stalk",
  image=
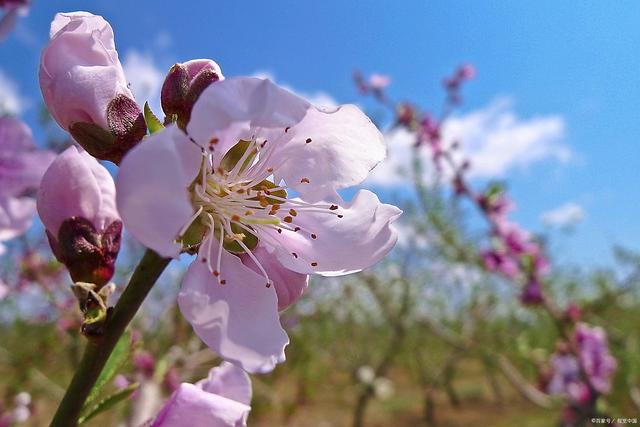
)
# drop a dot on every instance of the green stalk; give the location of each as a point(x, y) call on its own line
point(98, 351)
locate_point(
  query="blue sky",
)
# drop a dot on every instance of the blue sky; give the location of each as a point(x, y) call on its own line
point(572, 65)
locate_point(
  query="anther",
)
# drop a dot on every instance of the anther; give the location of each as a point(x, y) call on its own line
point(235, 218)
point(340, 216)
point(269, 170)
point(214, 141)
point(280, 230)
point(333, 207)
point(288, 219)
point(308, 140)
point(223, 282)
point(304, 181)
point(295, 255)
point(296, 229)
point(314, 264)
point(286, 129)
point(203, 260)
point(293, 212)
point(314, 237)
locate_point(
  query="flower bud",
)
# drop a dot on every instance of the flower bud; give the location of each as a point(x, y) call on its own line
point(183, 85)
point(76, 203)
point(84, 86)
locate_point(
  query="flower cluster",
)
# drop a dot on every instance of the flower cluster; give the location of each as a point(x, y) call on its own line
point(580, 370)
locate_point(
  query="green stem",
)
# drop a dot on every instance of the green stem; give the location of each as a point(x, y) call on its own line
point(98, 351)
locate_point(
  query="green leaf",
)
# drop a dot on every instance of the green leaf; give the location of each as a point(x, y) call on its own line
point(117, 359)
point(153, 123)
point(108, 402)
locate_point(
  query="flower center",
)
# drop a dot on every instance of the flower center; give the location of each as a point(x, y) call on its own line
point(236, 200)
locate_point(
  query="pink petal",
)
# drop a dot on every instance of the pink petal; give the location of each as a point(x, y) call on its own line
point(196, 65)
point(76, 185)
point(80, 72)
point(21, 165)
point(227, 380)
point(16, 215)
point(192, 406)
point(238, 320)
point(152, 183)
point(343, 138)
point(235, 108)
point(289, 284)
point(342, 245)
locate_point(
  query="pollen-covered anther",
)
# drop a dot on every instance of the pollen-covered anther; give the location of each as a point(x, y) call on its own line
point(216, 273)
point(235, 218)
point(304, 181)
point(248, 213)
point(293, 212)
point(288, 219)
point(214, 141)
point(269, 170)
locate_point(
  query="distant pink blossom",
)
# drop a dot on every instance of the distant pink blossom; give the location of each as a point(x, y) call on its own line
point(225, 187)
point(221, 400)
point(379, 81)
point(12, 9)
point(21, 168)
point(594, 355)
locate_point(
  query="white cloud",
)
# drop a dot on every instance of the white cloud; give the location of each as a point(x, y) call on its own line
point(494, 139)
point(11, 102)
point(145, 78)
point(564, 216)
point(318, 98)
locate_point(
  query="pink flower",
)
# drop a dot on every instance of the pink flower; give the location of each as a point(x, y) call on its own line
point(84, 86)
point(594, 355)
point(13, 9)
point(226, 188)
point(222, 400)
point(76, 203)
point(183, 86)
point(379, 81)
point(21, 168)
point(532, 293)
